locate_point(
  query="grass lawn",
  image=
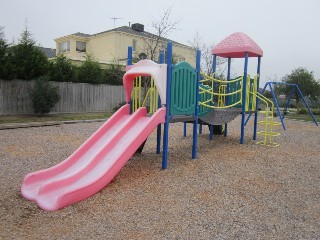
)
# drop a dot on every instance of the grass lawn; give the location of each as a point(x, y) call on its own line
point(52, 117)
point(304, 117)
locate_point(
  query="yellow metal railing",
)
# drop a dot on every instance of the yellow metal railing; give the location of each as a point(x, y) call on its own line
point(268, 122)
point(150, 100)
point(222, 98)
point(221, 94)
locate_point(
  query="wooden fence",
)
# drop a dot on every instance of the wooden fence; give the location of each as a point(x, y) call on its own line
point(75, 97)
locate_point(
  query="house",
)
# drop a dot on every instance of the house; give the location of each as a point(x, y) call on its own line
point(49, 52)
point(112, 46)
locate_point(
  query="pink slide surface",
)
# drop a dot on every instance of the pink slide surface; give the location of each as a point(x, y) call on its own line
point(95, 163)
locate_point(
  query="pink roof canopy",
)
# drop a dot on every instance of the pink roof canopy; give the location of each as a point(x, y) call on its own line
point(236, 45)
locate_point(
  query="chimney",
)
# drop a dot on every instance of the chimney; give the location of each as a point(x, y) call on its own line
point(138, 27)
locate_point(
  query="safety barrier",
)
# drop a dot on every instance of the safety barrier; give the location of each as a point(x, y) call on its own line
point(228, 93)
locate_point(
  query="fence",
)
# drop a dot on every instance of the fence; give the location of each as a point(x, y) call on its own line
point(75, 97)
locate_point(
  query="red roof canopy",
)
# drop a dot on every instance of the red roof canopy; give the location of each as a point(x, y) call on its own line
point(236, 45)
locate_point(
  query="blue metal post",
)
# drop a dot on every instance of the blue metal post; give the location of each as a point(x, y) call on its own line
point(227, 98)
point(161, 60)
point(244, 94)
point(306, 104)
point(168, 94)
point(195, 124)
point(130, 63)
point(184, 129)
point(129, 55)
point(257, 102)
point(277, 106)
point(214, 68)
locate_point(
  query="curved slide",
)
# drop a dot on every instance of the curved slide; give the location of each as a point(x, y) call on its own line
point(95, 163)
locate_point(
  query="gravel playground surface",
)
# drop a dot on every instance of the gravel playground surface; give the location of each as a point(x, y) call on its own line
point(231, 191)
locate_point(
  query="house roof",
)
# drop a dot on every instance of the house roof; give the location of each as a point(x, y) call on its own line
point(129, 30)
point(81, 34)
point(236, 45)
point(49, 52)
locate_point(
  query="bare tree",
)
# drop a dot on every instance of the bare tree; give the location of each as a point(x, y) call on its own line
point(161, 28)
point(206, 57)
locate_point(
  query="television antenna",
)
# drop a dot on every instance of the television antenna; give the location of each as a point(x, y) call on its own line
point(114, 20)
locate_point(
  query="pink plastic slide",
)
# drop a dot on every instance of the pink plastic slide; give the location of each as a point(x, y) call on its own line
point(95, 163)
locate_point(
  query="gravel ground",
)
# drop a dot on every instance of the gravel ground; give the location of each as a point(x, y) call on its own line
point(231, 191)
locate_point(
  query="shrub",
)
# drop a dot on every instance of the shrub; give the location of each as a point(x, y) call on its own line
point(90, 72)
point(316, 111)
point(61, 69)
point(303, 111)
point(114, 74)
point(44, 96)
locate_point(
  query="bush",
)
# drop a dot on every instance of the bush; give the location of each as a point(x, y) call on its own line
point(44, 96)
point(303, 111)
point(90, 72)
point(61, 69)
point(114, 74)
point(316, 111)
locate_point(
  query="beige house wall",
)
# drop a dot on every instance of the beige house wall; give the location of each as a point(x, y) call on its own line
point(110, 46)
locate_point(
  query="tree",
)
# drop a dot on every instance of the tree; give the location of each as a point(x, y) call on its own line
point(29, 61)
point(161, 28)
point(61, 69)
point(114, 74)
point(44, 96)
point(90, 71)
point(6, 67)
point(308, 85)
point(207, 58)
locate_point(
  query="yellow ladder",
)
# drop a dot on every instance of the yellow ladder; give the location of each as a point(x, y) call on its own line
point(267, 123)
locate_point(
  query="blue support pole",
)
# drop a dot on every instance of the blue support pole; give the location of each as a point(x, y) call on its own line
point(129, 62)
point(129, 55)
point(228, 90)
point(168, 95)
point(257, 102)
point(306, 104)
point(244, 94)
point(195, 124)
point(214, 68)
point(184, 129)
point(161, 60)
point(277, 106)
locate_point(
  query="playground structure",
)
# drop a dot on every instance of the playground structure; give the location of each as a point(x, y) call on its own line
point(176, 95)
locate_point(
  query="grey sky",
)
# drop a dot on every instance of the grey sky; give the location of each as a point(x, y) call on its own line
point(288, 31)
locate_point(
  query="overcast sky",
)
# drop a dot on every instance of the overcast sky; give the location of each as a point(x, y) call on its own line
point(288, 31)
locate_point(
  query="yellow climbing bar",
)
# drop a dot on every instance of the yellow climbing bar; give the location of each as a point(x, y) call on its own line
point(228, 93)
point(268, 122)
point(150, 99)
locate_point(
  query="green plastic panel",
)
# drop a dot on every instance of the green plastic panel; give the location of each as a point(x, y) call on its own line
point(203, 110)
point(183, 89)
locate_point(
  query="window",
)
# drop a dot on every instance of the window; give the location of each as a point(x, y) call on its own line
point(134, 44)
point(64, 46)
point(80, 46)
